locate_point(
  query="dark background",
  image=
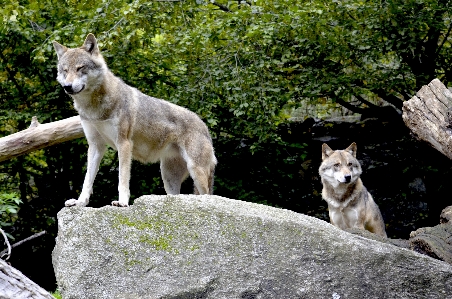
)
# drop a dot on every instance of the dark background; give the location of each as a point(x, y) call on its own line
point(408, 179)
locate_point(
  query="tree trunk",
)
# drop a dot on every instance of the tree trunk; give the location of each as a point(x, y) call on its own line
point(13, 284)
point(38, 136)
point(433, 241)
point(428, 115)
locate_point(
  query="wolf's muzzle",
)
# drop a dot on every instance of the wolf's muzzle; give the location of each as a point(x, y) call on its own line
point(68, 88)
point(347, 178)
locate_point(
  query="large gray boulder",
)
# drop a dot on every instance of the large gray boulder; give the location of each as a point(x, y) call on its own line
point(187, 247)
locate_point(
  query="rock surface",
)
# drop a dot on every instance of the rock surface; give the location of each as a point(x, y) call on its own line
point(186, 246)
point(368, 235)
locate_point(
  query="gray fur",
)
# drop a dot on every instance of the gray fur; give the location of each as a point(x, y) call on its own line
point(136, 125)
point(350, 205)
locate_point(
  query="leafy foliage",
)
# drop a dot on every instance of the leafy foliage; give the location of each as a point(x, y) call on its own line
point(9, 206)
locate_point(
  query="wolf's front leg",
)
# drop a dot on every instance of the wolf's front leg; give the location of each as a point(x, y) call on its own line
point(95, 153)
point(125, 162)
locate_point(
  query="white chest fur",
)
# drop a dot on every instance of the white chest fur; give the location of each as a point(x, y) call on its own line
point(107, 129)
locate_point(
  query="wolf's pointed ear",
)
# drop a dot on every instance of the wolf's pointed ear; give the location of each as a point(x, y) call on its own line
point(352, 149)
point(60, 49)
point(90, 44)
point(326, 151)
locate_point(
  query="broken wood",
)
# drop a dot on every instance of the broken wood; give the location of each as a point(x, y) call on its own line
point(428, 115)
point(38, 136)
point(435, 242)
point(446, 215)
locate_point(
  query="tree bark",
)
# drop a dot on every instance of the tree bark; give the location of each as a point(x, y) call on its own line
point(428, 115)
point(435, 241)
point(13, 284)
point(38, 136)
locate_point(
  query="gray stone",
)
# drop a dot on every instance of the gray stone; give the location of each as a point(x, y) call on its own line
point(368, 235)
point(187, 247)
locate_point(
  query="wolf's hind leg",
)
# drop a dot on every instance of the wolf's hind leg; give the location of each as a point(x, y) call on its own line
point(200, 158)
point(174, 172)
point(376, 225)
point(201, 180)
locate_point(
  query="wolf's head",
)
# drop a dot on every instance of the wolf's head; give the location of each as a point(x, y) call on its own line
point(341, 166)
point(81, 69)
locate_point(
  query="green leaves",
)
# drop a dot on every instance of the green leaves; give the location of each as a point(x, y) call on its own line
point(9, 206)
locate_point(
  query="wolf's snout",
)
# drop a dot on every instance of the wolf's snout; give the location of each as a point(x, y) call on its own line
point(68, 88)
point(347, 178)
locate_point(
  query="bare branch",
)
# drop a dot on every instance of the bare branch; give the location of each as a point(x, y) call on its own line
point(221, 6)
point(21, 242)
point(39, 136)
point(350, 107)
point(6, 251)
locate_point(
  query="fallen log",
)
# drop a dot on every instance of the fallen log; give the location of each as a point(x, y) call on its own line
point(13, 284)
point(435, 241)
point(38, 136)
point(428, 115)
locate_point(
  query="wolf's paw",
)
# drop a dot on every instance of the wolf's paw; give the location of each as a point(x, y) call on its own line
point(117, 203)
point(74, 202)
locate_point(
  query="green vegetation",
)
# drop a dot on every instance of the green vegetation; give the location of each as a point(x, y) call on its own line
point(57, 294)
point(240, 65)
point(159, 243)
point(9, 206)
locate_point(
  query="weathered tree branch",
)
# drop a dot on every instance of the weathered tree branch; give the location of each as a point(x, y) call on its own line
point(8, 250)
point(20, 243)
point(221, 6)
point(428, 115)
point(350, 107)
point(13, 284)
point(38, 136)
point(391, 99)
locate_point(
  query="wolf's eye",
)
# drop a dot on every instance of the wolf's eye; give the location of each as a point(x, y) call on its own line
point(350, 164)
point(337, 165)
point(80, 68)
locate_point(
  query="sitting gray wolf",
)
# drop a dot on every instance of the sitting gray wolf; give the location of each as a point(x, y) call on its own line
point(136, 125)
point(349, 203)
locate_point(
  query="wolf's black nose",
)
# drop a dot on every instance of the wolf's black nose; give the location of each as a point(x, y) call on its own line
point(347, 178)
point(68, 88)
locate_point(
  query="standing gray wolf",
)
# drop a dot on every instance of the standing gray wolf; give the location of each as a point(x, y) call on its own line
point(136, 125)
point(349, 203)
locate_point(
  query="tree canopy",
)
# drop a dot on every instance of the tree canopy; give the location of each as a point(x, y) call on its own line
point(236, 63)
